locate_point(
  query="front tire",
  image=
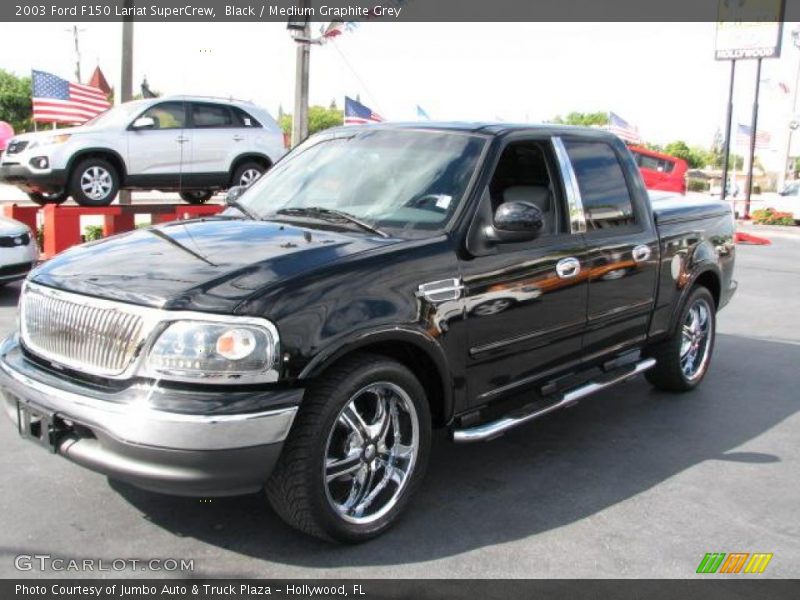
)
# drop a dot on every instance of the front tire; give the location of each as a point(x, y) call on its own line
point(94, 182)
point(357, 451)
point(683, 359)
point(54, 198)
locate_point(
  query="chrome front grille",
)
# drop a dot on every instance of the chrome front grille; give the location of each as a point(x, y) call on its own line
point(94, 336)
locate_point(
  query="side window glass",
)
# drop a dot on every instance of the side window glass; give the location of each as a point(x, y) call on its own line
point(601, 180)
point(211, 115)
point(170, 115)
point(522, 174)
point(243, 119)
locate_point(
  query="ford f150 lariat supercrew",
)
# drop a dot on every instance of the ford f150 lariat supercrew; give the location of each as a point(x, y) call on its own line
point(378, 282)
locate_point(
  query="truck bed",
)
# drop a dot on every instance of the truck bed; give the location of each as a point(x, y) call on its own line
point(673, 209)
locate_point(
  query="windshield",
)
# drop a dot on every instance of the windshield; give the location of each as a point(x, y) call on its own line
point(409, 180)
point(114, 115)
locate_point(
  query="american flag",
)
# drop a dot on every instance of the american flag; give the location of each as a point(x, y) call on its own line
point(356, 113)
point(57, 100)
point(763, 138)
point(622, 129)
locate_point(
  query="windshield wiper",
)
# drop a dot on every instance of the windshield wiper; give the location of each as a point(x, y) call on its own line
point(326, 213)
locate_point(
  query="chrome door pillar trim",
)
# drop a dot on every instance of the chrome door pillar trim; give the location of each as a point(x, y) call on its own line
point(577, 220)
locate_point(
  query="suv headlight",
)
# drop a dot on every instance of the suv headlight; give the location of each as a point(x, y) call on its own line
point(49, 141)
point(227, 352)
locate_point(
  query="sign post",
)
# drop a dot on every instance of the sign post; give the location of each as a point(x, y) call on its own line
point(748, 29)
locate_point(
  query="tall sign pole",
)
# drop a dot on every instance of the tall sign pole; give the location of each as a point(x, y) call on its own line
point(301, 31)
point(753, 129)
point(747, 30)
point(727, 145)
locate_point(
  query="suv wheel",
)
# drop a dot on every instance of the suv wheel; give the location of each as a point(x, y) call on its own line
point(357, 451)
point(246, 174)
point(197, 196)
point(48, 198)
point(683, 359)
point(94, 182)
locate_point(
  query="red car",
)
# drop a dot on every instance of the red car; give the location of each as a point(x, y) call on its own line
point(661, 171)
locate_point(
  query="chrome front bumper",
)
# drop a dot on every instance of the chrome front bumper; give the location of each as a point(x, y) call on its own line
point(123, 436)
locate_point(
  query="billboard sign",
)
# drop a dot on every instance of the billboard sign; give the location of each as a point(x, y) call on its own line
point(749, 29)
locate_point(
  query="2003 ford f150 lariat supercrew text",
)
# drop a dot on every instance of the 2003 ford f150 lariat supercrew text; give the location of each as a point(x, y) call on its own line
point(376, 283)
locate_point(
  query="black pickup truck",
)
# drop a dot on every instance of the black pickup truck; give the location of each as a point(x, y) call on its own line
point(378, 282)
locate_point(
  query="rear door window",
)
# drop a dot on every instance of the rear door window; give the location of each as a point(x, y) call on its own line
point(211, 115)
point(602, 184)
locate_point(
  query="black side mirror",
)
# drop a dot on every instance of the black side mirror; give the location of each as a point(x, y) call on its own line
point(234, 194)
point(515, 222)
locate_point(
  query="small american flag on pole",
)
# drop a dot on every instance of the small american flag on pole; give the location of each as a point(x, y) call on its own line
point(57, 100)
point(622, 129)
point(356, 113)
point(743, 132)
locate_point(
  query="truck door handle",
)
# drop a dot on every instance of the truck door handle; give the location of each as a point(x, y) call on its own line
point(568, 267)
point(641, 253)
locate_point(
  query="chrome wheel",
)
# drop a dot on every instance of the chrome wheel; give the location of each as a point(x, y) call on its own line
point(696, 335)
point(371, 452)
point(248, 177)
point(96, 183)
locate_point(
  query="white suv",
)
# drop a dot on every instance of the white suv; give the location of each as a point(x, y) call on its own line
point(192, 145)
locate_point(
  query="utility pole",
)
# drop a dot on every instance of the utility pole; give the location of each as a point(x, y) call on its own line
point(302, 36)
point(126, 73)
point(727, 143)
point(753, 129)
point(75, 31)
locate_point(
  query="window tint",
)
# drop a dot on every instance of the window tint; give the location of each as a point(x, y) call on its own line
point(604, 191)
point(169, 115)
point(243, 119)
point(211, 115)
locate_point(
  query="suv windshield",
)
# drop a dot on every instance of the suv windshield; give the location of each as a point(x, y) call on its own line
point(118, 114)
point(396, 179)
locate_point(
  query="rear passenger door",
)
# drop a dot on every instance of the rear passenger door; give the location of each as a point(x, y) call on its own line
point(622, 246)
point(216, 137)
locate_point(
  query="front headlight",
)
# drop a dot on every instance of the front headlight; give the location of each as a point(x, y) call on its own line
point(204, 350)
point(49, 141)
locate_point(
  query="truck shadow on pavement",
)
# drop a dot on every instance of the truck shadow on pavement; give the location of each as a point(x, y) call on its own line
point(542, 476)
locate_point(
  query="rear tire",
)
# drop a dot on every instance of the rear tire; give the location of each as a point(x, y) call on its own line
point(247, 174)
point(196, 196)
point(94, 182)
point(682, 360)
point(357, 451)
point(55, 198)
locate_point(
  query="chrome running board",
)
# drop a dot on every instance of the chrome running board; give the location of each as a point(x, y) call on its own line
point(497, 428)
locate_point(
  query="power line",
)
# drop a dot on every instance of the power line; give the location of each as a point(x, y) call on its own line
point(360, 81)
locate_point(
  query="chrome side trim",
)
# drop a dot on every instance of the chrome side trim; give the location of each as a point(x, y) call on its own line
point(577, 219)
point(139, 424)
point(442, 290)
point(494, 429)
point(152, 323)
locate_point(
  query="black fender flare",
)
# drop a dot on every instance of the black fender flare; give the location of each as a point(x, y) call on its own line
point(420, 340)
point(703, 266)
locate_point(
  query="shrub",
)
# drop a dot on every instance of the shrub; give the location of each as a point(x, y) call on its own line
point(697, 185)
point(92, 232)
point(770, 216)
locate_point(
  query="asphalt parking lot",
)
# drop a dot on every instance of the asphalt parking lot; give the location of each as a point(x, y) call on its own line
point(630, 483)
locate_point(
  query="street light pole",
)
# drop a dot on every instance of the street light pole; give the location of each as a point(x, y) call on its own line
point(303, 63)
point(126, 74)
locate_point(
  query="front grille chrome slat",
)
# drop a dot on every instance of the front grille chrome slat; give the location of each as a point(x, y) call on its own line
point(100, 338)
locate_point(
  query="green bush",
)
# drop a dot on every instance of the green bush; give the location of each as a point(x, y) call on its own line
point(770, 216)
point(697, 185)
point(92, 233)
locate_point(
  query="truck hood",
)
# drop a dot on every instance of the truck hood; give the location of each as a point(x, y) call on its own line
point(207, 265)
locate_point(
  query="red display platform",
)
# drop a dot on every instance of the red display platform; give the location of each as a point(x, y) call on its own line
point(62, 224)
